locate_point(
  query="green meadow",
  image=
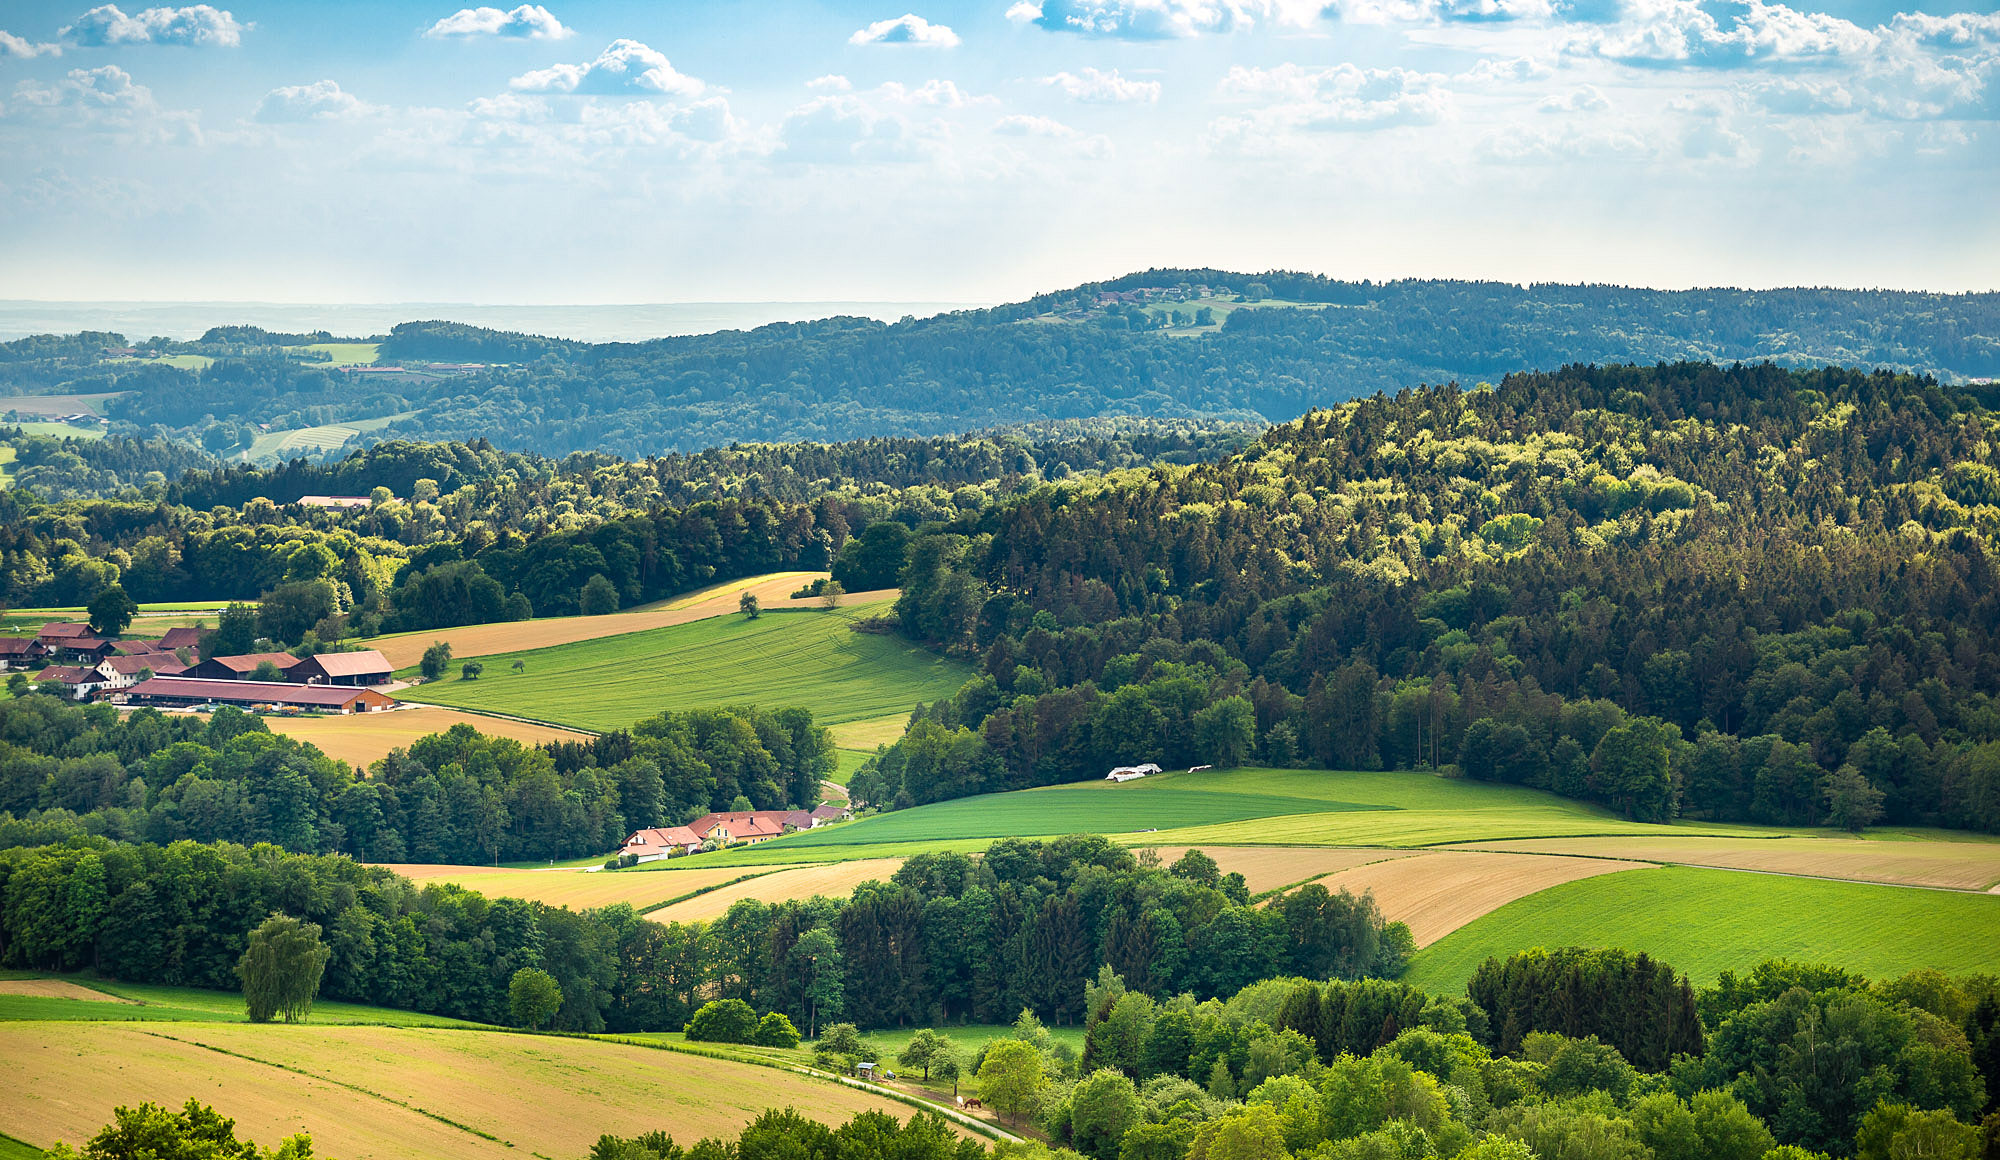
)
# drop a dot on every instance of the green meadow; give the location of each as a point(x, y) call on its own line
point(805, 658)
point(153, 1004)
point(1708, 921)
point(1295, 807)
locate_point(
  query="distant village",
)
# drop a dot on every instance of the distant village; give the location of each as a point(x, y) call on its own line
point(73, 660)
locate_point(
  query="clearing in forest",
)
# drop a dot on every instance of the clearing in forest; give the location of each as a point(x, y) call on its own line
point(828, 879)
point(773, 591)
point(365, 738)
point(810, 659)
point(1705, 921)
point(392, 1092)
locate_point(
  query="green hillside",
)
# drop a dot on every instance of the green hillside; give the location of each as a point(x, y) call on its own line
point(805, 658)
point(1707, 921)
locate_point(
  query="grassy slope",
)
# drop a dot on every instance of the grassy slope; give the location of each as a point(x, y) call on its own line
point(1707, 921)
point(1241, 807)
point(781, 658)
point(189, 1005)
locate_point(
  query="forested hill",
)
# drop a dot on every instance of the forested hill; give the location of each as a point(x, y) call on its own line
point(1734, 593)
point(1170, 343)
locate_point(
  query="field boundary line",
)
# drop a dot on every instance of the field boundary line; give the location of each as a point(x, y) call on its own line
point(509, 717)
point(408, 1107)
point(990, 1131)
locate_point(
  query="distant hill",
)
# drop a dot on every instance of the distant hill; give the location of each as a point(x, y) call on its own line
point(1171, 343)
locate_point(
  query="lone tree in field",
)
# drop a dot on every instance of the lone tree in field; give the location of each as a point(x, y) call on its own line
point(435, 659)
point(830, 594)
point(282, 968)
point(111, 611)
point(533, 996)
point(748, 605)
point(471, 671)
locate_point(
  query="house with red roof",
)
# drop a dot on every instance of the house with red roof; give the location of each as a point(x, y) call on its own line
point(654, 843)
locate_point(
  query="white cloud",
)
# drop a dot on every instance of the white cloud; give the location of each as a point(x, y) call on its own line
point(1494, 71)
point(198, 24)
point(1582, 99)
point(937, 94)
point(319, 101)
point(1340, 97)
point(1025, 125)
point(104, 99)
point(17, 48)
point(527, 22)
point(1684, 32)
point(625, 67)
point(1107, 87)
point(908, 28)
point(109, 87)
point(1140, 19)
point(830, 83)
point(845, 130)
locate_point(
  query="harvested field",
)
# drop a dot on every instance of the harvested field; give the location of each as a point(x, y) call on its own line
point(365, 738)
point(866, 735)
point(1436, 893)
point(1952, 865)
point(1270, 867)
point(481, 640)
point(832, 879)
point(358, 1090)
point(575, 889)
point(55, 989)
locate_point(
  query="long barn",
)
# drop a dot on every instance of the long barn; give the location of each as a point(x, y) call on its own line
point(184, 691)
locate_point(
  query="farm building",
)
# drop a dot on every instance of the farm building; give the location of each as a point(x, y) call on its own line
point(175, 639)
point(341, 668)
point(239, 668)
point(830, 813)
point(21, 652)
point(73, 642)
point(650, 845)
point(75, 681)
point(124, 672)
point(1132, 772)
point(183, 691)
point(750, 827)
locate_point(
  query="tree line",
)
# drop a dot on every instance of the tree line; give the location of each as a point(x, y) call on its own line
point(69, 771)
point(1737, 593)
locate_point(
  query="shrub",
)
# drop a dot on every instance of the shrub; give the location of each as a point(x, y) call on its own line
point(776, 1030)
point(723, 1021)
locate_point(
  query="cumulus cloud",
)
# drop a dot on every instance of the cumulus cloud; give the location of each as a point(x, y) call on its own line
point(908, 28)
point(18, 48)
point(1340, 97)
point(198, 24)
point(1439, 11)
point(938, 94)
point(104, 99)
point(625, 67)
point(1139, 19)
point(109, 87)
point(319, 101)
point(527, 22)
point(1107, 87)
point(1670, 32)
point(830, 83)
point(844, 130)
point(1582, 99)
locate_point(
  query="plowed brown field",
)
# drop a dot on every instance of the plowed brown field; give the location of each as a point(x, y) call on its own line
point(576, 889)
point(1436, 893)
point(55, 989)
point(1269, 867)
point(365, 738)
point(1954, 865)
point(832, 879)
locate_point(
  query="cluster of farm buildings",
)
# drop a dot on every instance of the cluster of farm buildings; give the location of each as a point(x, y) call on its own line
point(166, 672)
point(714, 831)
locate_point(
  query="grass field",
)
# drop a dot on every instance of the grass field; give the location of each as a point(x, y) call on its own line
point(27, 995)
point(1931, 860)
point(1246, 807)
point(25, 405)
point(343, 354)
point(365, 738)
point(801, 658)
point(1705, 921)
point(276, 445)
point(773, 591)
point(392, 1092)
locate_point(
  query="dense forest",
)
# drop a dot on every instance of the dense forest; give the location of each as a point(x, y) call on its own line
point(1287, 343)
point(1735, 593)
point(1212, 1029)
point(67, 771)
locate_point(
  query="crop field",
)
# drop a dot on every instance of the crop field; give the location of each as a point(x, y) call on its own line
point(25, 405)
point(1951, 864)
point(276, 445)
point(365, 738)
point(342, 354)
point(769, 586)
point(1267, 868)
point(801, 658)
point(1705, 921)
point(1436, 893)
point(864, 736)
point(1237, 807)
point(831, 879)
point(404, 650)
point(33, 996)
point(381, 1092)
point(576, 889)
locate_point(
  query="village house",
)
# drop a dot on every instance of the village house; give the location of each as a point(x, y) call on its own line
point(124, 672)
point(21, 652)
point(187, 691)
point(77, 682)
point(176, 639)
point(823, 814)
point(239, 668)
point(71, 642)
point(652, 844)
point(367, 667)
point(750, 827)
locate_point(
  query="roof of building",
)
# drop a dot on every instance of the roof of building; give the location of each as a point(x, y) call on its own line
point(69, 675)
point(350, 664)
point(248, 662)
point(133, 648)
point(825, 811)
point(275, 692)
point(64, 630)
point(740, 824)
point(663, 836)
point(175, 638)
point(144, 662)
point(17, 646)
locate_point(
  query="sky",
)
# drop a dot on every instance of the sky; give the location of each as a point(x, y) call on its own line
point(984, 150)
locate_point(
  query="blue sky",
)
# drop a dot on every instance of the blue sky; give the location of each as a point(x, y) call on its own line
point(980, 151)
